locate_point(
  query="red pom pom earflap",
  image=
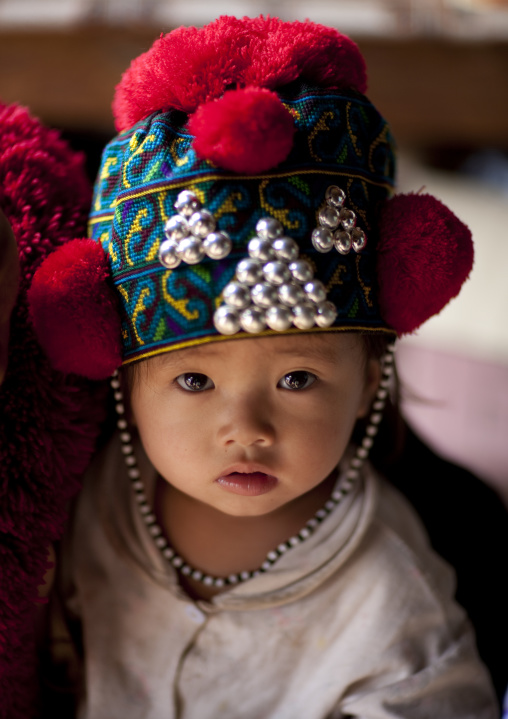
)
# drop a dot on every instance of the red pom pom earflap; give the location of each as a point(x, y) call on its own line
point(246, 130)
point(74, 310)
point(425, 254)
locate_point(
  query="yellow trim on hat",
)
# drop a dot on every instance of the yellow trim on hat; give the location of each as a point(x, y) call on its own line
point(171, 184)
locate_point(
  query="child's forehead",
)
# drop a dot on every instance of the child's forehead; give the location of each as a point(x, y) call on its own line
point(319, 346)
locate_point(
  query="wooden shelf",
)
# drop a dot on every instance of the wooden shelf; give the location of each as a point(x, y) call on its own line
point(433, 91)
point(438, 92)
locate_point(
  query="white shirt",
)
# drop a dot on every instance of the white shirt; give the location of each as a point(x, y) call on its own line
point(357, 621)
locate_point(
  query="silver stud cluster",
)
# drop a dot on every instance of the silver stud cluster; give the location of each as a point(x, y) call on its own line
point(337, 225)
point(273, 288)
point(348, 480)
point(190, 235)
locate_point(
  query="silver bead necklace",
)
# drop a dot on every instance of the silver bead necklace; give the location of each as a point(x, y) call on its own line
point(350, 476)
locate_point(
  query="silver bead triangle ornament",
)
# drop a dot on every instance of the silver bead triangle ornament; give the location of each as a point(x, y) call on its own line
point(273, 288)
point(337, 225)
point(191, 234)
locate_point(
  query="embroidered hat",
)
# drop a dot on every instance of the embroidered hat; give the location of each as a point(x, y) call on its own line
point(248, 193)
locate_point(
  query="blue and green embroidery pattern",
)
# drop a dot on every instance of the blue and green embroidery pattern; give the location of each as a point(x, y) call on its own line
point(341, 139)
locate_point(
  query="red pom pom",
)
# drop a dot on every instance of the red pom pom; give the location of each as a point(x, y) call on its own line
point(181, 70)
point(247, 131)
point(282, 52)
point(425, 254)
point(74, 310)
point(190, 66)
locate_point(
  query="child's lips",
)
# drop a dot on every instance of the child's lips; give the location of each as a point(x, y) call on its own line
point(247, 483)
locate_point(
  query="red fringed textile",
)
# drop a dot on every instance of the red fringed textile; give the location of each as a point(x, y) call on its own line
point(425, 255)
point(48, 422)
point(190, 66)
point(245, 131)
point(74, 310)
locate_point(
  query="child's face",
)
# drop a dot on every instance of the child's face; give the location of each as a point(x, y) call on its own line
point(247, 426)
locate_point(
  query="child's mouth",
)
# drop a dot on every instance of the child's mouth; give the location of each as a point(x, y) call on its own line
point(250, 484)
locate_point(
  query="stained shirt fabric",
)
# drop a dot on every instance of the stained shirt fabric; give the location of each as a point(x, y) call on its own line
point(356, 621)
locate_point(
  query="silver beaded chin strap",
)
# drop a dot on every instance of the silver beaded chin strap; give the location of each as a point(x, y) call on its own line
point(349, 479)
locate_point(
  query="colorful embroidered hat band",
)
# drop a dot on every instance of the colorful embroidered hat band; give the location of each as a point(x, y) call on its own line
point(173, 303)
point(249, 192)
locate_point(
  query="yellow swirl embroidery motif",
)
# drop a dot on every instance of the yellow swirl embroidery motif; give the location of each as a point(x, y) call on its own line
point(137, 150)
point(351, 134)
point(179, 305)
point(140, 307)
point(382, 137)
point(136, 227)
point(111, 247)
point(336, 278)
point(366, 290)
point(123, 292)
point(228, 205)
point(321, 126)
point(110, 162)
point(361, 213)
point(154, 249)
point(179, 161)
point(280, 214)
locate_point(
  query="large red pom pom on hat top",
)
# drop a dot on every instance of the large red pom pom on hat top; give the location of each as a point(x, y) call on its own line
point(425, 254)
point(245, 131)
point(190, 66)
point(74, 310)
point(285, 51)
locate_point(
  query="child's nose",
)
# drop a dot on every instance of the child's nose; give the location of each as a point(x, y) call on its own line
point(247, 422)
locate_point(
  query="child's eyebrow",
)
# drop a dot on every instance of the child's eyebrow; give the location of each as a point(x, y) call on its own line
point(169, 358)
point(320, 352)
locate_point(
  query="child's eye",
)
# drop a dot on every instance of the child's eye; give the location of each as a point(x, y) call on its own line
point(297, 380)
point(194, 382)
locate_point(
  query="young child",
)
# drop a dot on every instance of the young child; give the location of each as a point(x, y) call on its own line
point(232, 552)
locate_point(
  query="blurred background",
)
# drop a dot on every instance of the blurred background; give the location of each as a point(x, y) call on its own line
point(438, 71)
